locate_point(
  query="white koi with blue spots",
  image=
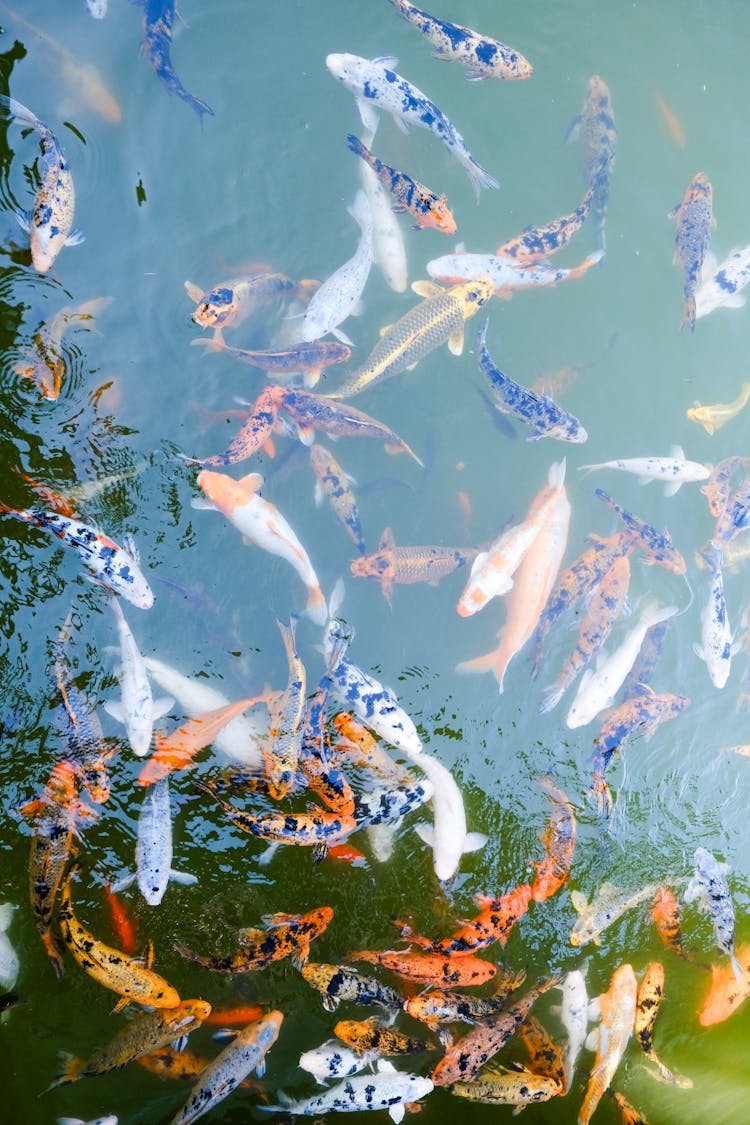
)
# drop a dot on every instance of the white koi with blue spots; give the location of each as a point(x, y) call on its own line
point(338, 296)
point(709, 885)
point(721, 285)
point(674, 470)
point(388, 1089)
point(333, 1059)
point(716, 647)
point(377, 87)
point(153, 849)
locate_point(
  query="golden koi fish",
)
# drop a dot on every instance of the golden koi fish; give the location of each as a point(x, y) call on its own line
point(407, 565)
point(546, 1056)
point(518, 1088)
point(44, 362)
point(371, 1035)
point(648, 1002)
point(438, 319)
point(617, 1016)
point(666, 914)
point(725, 994)
point(629, 1114)
point(712, 418)
point(606, 908)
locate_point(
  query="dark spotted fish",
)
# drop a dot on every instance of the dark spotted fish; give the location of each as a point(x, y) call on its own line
point(158, 18)
point(536, 243)
point(658, 545)
point(694, 219)
point(406, 565)
point(595, 129)
point(424, 206)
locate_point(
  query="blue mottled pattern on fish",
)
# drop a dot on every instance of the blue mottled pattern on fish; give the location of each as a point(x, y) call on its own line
point(158, 18)
point(312, 412)
point(709, 885)
point(427, 208)
point(338, 982)
point(694, 218)
point(595, 127)
point(333, 483)
point(735, 516)
point(658, 545)
point(536, 242)
point(388, 806)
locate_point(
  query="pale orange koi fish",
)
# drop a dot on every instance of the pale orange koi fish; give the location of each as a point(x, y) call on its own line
point(615, 1028)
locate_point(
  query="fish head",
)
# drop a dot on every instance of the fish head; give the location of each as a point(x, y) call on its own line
point(442, 216)
point(225, 492)
point(347, 68)
point(216, 308)
point(476, 293)
point(45, 246)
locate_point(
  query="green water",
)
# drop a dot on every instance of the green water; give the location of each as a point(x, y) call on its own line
point(163, 198)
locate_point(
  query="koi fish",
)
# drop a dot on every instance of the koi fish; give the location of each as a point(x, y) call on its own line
point(716, 647)
point(505, 274)
point(694, 219)
point(146, 1032)
point(177, 750)
point(320, 767)
point(137, 709)
point(116, 568)
point(339, 294)
point(519, 1088)
point(544, 416)
point(485, 57)
point(468, 1055)
point(314, 829)
point(390, 806)
point(709, 886)
point(246, 1052)
point(123, 926)
point(45, 363)
point(332, 482)
point(255, 434)
point(673, 470)
point(598, 688)
point(595, 128)
point(666, 914)
point(559, 840)
point(603, 610)
point(712, 418)
point(281, 756)
point(231, 302)
point(617, 1007)
point(311, 412)
point(158, 17)
point(376, 87)
point(725, 994)
point(642, 672)
point(308, 356)
point(648, 1002)
point(536, 243)
point(447, 836)
point(722, 287)
point(338, 982)
point(80, 729)
point(50, 221)
point(333, 1059)
point(437, 1007)
point(658, 545)
point(263, 524)
point(497, 918)
point(424, 206)
point(168, 1063)
point(436, 320)
point(109, 967)
point(492, 570)
point(363, 750)
point(716, 489)
point(230, 1017)
point(371, 1036)
point(387, 1088)
point(546, 1056)
point(388, 247)
point(406, 565)
point(9, 963)
point(54, 815)
point(153, 849)
point(285, 935)
point(110, 1119)
point(574, 1017)
point(606, 908)
point(430, 968)
point(735, 517)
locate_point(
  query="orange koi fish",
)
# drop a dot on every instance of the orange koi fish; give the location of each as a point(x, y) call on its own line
point(255, 434)
point(407, 565)
point(110, 967)
point(666, 914)
point(318, 763)
point(429, 968)
point(559, 840)
point(694, 219)
point(54, 815)
point(230, 1017)
point(426, 208)
point(177, 750)
point(371, 1035)
point(494, 923)
point(437, 1007)
point(468, 1055)
point(725, 994)
point(345, 853)
point(332, 482)
point(286, 935)
point(169, 1063)
point(536, 243)
point(123, 925)
point(670, 121)
point(617, 1017)
point(648, 1002)
point(630, 1115)
point(546, 1056)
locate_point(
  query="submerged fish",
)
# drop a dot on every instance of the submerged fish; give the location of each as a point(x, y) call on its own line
point(726, 994)
point(44, 363)
point(673, 470)
point(377, 87)
point(617, 1007)
point(559, 839)
point(334, 484)
point(424, 206)
point(606, 908)
point(709, 885)
point(666, 915)
point(658, 545)
point(595, 129)
point(536, 243)
point(496, 919)
point(406, 565)
point(388, 247)
point(285, 935)
point(694, 219)
point(231, 302)
point(315, 829)
point(339, 294)
point(310, 357)
point(311, 412)
point(137, 709)
point(722, 287)
point(281, 752)
point(9, 964)
point(574, 1016)
point(713, 417)
point(716, 647)
point(153, 849)
point(158, 18)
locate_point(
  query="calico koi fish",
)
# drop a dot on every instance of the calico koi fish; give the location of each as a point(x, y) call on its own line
point(559, 839)
point(710, 887)
point(314, 829)
point(468, 1055)
point(447, 836)
point(263, 524)
point(658, 545)
point(363, 750)
point(606, 908)
point(109, 967)
point(438, 319)
point(617, 1007)
point(426, 208)
point(406, 565)
point(285, 935)
point(376, 87)
point(536, 243)
point(333, 1059)
point(311, 412)
point(485, 57)
point(281, 755)
point(716, 646)
point(44, 363)
point(712, 418)
point(723, 286)
point(666, 914)
point(717, 487)
point(540, 412)
point(50, 221)
point(153, 848)
point(332, 482)
point(694, 219)
point(338, 982)
point(726, 994)
point(371, 1036)
point(116, 568)
point(339, 294)
point(505, 274)
point(438, 1007)
point(387, 1088)
point(430, 968)
point(519, 1087)
point(595, 128)
point(546, 1055)
point(158, 17)
point(319, 765)
point(137, 709)
point(673, 470)
point(231, 302)
point(54, 815)
point(497, 918)
point(648, 1002)
point(308, 356)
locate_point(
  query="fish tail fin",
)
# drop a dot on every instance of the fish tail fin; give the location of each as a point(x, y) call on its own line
point(551, 696)
point(479, 176)
point(737, 969)
point(50, 944)
point(688, 313)
point(21, 113)
point(68, 1070)
point(496, 662)
point(316, 607)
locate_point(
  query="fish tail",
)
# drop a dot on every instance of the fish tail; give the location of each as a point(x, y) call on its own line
point(316, 607)
point(737, 969)
point(50, 944)
point(496, 662)
point(69, 1070)
point(358, 148)
point(21, 113)
point(551, 696)
point(479, 176)
point(688, 312)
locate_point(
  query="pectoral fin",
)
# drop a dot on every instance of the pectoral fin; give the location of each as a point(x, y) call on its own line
point(456, 341)
point(182, 877)
point(368, 114)
point(425, 832)
point(123, 884)
point(114, 708)
point(75, 238)
point(474, 841)
point(426, 288)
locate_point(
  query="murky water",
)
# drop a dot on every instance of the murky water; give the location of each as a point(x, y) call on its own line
point(163, 197)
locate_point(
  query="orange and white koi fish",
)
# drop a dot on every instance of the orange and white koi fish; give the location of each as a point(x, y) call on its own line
point(648, 1002)
point(371, 1035)
point(717, 487)
point(333, 483)
point(617, 1007)
point(54, 815)
point(233, 301)
point(492, 571)
point(726, 993)
point(712, 418)
point(285, 935)
point(426, 208)
point(666, 914)
point(694, 219)
point(50, 221)
point(319, 764)
point(559, 839)
point(281, 754)
point(263, 524)
point(536, 243)
point(406, 565)
point(44, 363)
point(177, 750)
point(429, 968)
point(532, 584)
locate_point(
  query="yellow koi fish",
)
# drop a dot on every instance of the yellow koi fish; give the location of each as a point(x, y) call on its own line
point(712, 418)
point(518, 1088)
point(371, 1035)
point(648, 1002)
point(286, 935)
point(45, 362)
point(617, 1007)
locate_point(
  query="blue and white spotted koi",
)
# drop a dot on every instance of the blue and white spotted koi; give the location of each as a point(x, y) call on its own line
point(715, 649)
point(673, 470)
point(658, 545)
point(709, 885)
point(158, 17)
point(388, 1088)
point(722, 287)
point(377, 87)
point(338, 296)
point(50, 222)
point(426, 208)
point(694, 218)
point(334, 484)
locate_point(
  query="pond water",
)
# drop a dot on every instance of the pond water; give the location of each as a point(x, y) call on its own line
point(164, 196)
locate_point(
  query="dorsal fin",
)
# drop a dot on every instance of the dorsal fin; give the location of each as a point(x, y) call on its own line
point(387, 542)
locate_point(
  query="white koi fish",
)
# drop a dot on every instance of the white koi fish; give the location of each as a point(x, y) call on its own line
point(388, 1088)
point(716, 647)
point(50, 222)
point(115, 567)
point(338, 296)
point(239, 739)
point(334, 1059)
point(599, 687)
point(377, 87)
point(263, 524)
point(574, 1016)
point(505, 273)
point(709, 885)
point(8, 956)
point(110, 1119)
point(673, 470)
point(617, 1007)
point(721, 285)
point(388, 247)
point(447, 836)
point(137, 709)
point(97, 8)
point(153, 848)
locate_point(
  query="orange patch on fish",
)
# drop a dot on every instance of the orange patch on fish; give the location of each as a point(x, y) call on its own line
point(177, 751)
